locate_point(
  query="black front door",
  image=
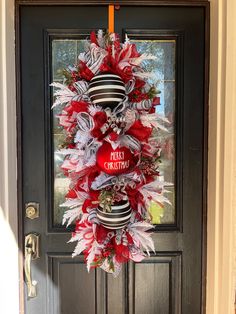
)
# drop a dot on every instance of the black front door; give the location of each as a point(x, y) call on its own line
point(170, 281)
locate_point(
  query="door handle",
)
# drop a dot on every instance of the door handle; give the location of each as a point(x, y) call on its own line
point(31, 253)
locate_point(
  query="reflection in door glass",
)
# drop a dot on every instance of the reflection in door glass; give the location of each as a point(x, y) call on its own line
point(164, 78)
point(64, 53)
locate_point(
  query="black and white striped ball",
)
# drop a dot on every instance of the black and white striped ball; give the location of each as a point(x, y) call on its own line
point(106, 90)
point(119, 216)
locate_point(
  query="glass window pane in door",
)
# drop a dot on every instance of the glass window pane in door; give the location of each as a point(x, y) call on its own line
point(64, 53)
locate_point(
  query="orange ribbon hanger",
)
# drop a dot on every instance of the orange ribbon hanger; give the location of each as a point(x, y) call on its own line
point(111, 18)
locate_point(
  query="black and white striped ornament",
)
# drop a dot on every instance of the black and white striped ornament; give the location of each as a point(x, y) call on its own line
point(119, 216)
point(106, 90)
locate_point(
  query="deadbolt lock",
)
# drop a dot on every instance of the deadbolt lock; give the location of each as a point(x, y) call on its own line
point(32, 210)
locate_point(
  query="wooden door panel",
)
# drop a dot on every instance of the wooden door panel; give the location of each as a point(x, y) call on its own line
point(170, 280)
point(153, 286)
point(70, 286)
point(150, 296)
point(116, 290)
point(157, 284)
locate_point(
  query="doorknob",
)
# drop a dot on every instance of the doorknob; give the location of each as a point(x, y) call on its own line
point(31, 253)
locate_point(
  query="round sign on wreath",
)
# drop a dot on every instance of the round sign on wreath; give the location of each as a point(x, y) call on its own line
point(115, 161)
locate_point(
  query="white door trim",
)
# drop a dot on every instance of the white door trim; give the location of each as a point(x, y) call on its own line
point(9, 283)
point(221, 247)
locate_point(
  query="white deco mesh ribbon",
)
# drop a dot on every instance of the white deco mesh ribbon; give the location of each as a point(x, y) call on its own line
point(93, 58)
point(64, 95)
point(120, 182)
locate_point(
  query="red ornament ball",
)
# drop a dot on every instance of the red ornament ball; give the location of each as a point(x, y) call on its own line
point(115, 161)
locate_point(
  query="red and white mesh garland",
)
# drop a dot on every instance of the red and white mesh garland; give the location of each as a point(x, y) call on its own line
point(126, 134)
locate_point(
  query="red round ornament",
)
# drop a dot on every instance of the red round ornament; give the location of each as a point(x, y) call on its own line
point(115, 161)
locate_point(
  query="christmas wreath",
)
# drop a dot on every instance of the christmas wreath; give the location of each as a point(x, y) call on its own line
point(111, 151)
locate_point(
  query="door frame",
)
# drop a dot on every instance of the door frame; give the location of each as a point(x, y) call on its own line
point(204, 4)
point(189, 3)
point(192, 3)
